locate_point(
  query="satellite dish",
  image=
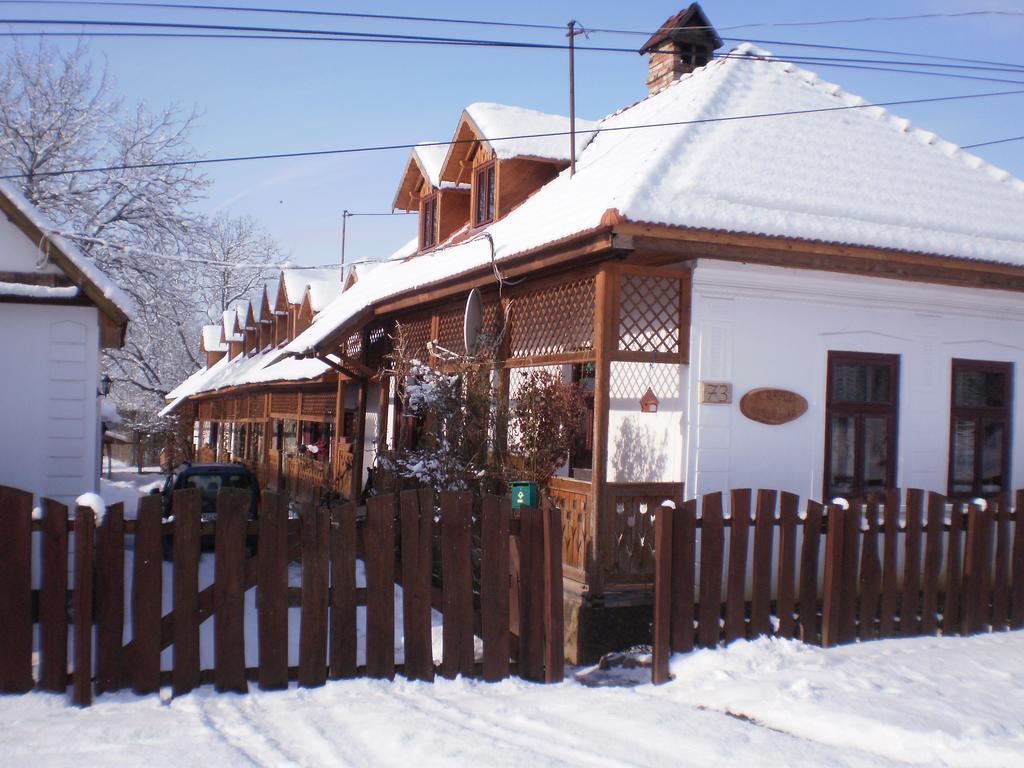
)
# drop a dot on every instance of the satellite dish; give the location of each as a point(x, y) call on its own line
point(473, 321)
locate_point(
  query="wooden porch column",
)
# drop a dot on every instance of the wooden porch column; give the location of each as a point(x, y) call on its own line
point(339, 421)
point(383, 406)
point(359, 438)
point(504, 385)
point(605, 299)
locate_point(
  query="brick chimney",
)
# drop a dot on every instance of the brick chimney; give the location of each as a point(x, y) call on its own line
point(683, 43)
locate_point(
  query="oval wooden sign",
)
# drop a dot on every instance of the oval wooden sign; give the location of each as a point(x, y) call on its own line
point(772, 406)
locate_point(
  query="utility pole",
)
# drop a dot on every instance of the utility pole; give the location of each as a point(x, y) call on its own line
point(344, 226)
point(571, 34)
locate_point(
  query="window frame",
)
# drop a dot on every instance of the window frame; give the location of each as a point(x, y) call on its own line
point(428, 203)
point(980, 414)
point(491, 189)
point(859, 411)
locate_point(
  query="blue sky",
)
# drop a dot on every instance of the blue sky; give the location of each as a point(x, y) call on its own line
point(259, 97)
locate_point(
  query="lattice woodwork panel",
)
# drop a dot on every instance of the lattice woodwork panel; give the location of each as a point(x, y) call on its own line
point(554, 320)
point(417, 334)
point(318, 403)
point(257, 406)
point(629, 381)
point(449, 331)
point(575, 530)
point(649, 314)
point(284, 403)
point(353, 345)
point(379, 345)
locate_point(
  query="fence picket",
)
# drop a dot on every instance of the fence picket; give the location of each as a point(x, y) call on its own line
point(494, 586)
point(272, 592)
point(1017, 593)
point(848, 583)
point(951, 621)
point(832, 591)
point(313, 615)
point(417, 514)
point(109, 599)
point(809, 573)
point(910, 596)
point(147, 596)
point(81, 678)
point(53, 598)
point(870, 574)
point(229, 591)
point(1001, 574)
point(761, 596)
point(343, 592)
point(786, 574)
point(684, 527)
point(186, 505)
point(554, 630)
point(974, 556)
point(16, 591)
point(890, 576)
point(736, 571)
point(380, 587)
point(712, 540)
point(531, 594)
point(932, 563)
point(663, 562)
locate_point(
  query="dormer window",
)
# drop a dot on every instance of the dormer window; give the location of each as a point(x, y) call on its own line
point(483, 190)
point(428, 222)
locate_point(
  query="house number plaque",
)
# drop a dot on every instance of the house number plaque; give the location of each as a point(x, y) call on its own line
point(772, 406)
point(715, 393)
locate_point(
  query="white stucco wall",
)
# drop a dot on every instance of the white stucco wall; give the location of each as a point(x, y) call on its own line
point(758, 326)
point(49, 411)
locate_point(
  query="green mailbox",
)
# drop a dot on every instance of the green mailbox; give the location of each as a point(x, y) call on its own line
point(524, 494)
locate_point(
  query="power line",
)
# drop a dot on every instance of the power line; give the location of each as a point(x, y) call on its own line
point(547, 134)
point(990, 143)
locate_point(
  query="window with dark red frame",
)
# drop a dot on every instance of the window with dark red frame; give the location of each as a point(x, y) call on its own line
point(428, 222)
point(483, 188)
point(980, 428)
point(861, 416)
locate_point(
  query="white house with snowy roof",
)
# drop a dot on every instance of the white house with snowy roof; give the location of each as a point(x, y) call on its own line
point(828, 302)
point(57, 312)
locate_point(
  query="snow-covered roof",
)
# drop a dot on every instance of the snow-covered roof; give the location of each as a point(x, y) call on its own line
point(296, 279)
point(31, 291)
point(93, 275)
point(212, 339)
point(229, 324)
point(244, 369)
point(852, 174)
point(430, 158)
point(495, 121)
point(324, 287)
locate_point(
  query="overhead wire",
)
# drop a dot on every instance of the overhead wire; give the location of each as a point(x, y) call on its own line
point(543, 134)
point(990, 143)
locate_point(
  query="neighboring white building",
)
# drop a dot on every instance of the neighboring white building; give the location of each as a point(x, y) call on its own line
point(57, 311)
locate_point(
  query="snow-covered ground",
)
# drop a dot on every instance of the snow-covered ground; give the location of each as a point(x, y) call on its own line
point(944, 702)
point(126, 485)
point(927, 701)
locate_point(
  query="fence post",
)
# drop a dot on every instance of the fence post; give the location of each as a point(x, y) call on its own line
point(833, 587)
point(110, 599)
point(15, 591)
point(660, 639)
point(53, 598)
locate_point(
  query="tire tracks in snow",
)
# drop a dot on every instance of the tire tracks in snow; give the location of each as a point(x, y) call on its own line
point(225, 716)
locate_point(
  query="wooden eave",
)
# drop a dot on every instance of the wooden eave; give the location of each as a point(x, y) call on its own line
point(467, 134)
point(407, 198)
point(658, 244)
point(113, 321)
point(327, 379)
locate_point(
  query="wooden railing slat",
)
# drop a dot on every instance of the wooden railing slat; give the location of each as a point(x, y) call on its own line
point(186, 505)
point(910, 592)
point(1017, 586)
point(531, 595)
point(761, 594)
point(890, 563)
point(870, 575)
point(81, 612)
point(272, 592)
point(932, 564)
point(554, 631)
point(1001, 572)
point(809, 555)
point(147, 597)
point(663, 561)
point(343, 592)
point(951, 609)
point(684, 527)
point(313, 615)
point(711, 546)
point(380, 587)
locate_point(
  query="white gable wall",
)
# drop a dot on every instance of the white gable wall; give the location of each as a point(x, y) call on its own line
point(18, 253)
point(49, 411)
point(756, 326)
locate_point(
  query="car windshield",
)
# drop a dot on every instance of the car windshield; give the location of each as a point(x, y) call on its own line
point(211, 484)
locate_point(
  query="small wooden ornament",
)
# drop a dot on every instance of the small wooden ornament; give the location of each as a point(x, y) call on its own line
point(649, 402)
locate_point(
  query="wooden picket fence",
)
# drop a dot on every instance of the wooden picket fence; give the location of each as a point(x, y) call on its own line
point(519, 619)
point(959, 569)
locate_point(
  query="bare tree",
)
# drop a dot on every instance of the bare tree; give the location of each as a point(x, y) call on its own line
point(137, 223)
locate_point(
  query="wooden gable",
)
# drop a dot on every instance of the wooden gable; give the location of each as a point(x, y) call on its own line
point(265, 320)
